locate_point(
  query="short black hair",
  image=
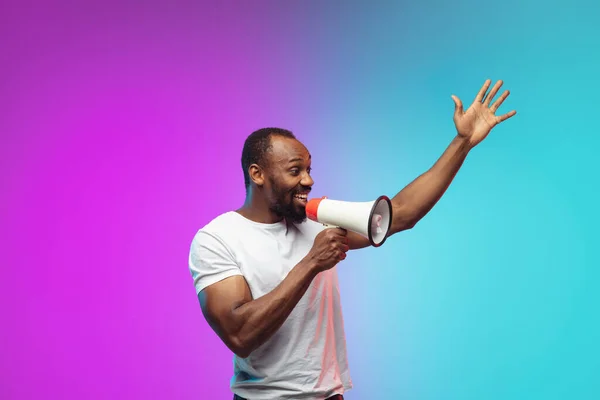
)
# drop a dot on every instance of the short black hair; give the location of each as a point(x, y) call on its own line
point(257, 144)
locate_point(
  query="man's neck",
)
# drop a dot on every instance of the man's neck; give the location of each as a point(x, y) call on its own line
point(258, 211)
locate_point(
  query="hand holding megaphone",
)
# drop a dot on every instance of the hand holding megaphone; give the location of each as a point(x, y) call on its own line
point(371, 219)
point(329, 248)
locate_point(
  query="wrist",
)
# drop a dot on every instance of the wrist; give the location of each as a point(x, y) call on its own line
point(463, 143)
point(310, 266)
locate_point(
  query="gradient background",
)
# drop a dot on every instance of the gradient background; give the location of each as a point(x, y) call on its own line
point(122, 125)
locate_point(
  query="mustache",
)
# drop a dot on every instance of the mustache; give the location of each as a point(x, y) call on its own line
point(302, 189)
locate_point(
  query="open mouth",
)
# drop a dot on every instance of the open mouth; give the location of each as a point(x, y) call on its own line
point(301, 198)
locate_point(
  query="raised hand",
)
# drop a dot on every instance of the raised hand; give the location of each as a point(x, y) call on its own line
point(479, 119)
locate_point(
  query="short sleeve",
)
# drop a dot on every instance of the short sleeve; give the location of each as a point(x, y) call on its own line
point(210, 260)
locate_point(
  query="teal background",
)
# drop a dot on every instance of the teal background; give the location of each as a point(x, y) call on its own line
point(493, 294)
point(121, 133)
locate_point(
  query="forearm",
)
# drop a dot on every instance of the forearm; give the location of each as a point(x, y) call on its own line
point(259, 319)
point(414, 201)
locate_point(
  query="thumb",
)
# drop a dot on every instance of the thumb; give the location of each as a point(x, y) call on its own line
point(458, 107)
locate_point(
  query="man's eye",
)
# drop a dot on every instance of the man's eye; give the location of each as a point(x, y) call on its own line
point(294, 171)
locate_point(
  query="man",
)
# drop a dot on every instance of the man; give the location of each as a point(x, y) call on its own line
point(266, 276)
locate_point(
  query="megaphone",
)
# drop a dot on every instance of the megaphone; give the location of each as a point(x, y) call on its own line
point(371, 219)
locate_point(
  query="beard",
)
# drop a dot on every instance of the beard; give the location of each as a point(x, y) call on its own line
point(283, 204)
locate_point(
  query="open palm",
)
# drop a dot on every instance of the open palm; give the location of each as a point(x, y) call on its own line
point(479, 119)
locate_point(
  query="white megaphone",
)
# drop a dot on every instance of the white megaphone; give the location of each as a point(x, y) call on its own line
point(371, 219)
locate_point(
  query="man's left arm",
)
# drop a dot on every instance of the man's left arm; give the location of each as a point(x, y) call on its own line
point(414, 201)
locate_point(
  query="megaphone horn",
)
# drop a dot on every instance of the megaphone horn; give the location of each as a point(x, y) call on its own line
point(371, 219)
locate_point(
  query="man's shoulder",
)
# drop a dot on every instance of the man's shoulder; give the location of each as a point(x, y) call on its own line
point(223, 222)
point(218, 228)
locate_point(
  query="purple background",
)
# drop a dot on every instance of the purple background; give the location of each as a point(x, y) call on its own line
point(122, 131)
point(116, 116)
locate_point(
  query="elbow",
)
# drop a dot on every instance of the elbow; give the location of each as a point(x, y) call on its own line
point(411, 224)
point(404, 225)
point(242, 353)
point(403, 219)
point(239, 347)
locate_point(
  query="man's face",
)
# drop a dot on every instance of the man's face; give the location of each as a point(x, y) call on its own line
point(288, 176)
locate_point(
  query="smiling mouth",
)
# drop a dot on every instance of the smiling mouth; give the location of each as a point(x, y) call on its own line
point(301, 198)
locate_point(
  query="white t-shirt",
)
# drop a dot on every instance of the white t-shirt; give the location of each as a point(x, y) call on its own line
point(306, 357)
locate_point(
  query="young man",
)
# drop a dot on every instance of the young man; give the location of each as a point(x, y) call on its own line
point(265, 274)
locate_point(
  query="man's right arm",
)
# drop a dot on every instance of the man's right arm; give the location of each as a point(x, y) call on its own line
point(242, 323)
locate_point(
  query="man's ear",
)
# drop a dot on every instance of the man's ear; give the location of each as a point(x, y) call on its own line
point(256, 174)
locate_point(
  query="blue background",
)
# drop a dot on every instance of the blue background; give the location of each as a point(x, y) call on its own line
point(492, 295)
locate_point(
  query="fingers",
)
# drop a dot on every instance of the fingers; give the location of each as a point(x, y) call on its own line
point(338, 242)
point(338, 250)
point(458, 106)
point(342, 238)
point(340, 233)
point(499, 101)
point(343, 245)
point(343, 250)
point(506, 116)
point(492, 93)
point(482, 91)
